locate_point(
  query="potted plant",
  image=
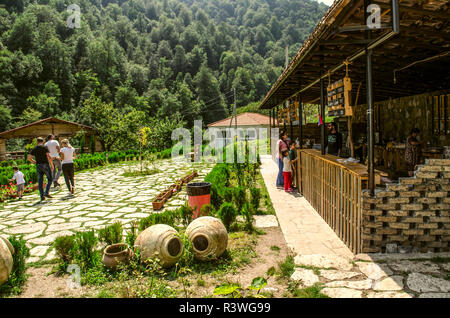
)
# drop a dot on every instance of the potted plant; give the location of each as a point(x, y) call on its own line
point(158, 203)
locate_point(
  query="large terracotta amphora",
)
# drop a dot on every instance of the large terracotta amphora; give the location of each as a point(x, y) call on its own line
point(6, 259)
point(208, 236)
point(160, 241)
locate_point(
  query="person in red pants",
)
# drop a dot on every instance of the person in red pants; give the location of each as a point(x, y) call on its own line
point(287, 171)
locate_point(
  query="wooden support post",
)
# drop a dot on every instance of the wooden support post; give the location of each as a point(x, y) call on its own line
point(2, 149)
point(370, 121)
point(322, 108)
point(98, 145)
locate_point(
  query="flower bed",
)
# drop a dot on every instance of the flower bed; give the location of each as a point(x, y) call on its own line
point(160, 199)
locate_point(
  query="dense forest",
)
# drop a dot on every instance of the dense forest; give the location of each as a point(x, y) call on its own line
point(138, 61)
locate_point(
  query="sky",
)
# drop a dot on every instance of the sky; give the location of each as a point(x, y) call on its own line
point(327, 2)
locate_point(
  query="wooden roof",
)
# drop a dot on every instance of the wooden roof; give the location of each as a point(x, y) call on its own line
point(244, 119)
point(47, 126)
point(423, 44)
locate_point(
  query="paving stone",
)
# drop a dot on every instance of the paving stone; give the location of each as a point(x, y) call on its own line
point(36, 215)
point(324, 261)
point(82, 219)
point(73, 214)
point(80, 207)
point(332, 274)
point(113, 216)
point(373, 270)
point(56, 221)
point(137, 215)
point(305, 276)
point(103, 210)
point(355, 284)
point(264, 221)
point(445, 266)
point(389, 295)
point(342, 293)
point(424, 283)
point(32, 260)
point(94, 223)
point(416, 267)
point(33, 235)
point(63, 226)
point(389, 283)
point(38, 251)
point(127, 210)
point(49, 239)
point(24, 229)
point(435, 295)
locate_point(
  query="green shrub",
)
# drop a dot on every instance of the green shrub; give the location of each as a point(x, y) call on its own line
point(132, 234)
point(227, 213)
point(287, 267)
point(111, 234)
point(208, 209)
point(64, 247)
point(239, 197)
point(255, 198)
point(186, 213)
point(246, 212)
point(216, 199)
point(228, 194)
point(167, 217)
point(85, 254)
point(17, 277)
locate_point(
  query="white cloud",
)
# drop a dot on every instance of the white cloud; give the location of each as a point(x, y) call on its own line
point(327, 2)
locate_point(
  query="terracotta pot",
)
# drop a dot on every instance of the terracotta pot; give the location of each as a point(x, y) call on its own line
point(208, 236)
point(6, 259)
point(160, 241)
point(115, 254)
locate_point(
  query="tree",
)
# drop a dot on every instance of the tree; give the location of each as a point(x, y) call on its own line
point(207, 89)
point(5, 118)
point(103, 117)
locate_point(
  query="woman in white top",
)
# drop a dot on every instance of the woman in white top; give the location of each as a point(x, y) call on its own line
point(67, 154)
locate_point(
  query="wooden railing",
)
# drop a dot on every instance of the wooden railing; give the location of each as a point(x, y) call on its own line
point(335, 192)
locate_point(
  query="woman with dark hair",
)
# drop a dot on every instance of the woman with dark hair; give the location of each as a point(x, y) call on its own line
point(68, 154)
point(412, 151)
point(281, 146)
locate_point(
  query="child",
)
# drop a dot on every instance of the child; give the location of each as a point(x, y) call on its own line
point(292, 156)
point(20, 180)
point(287, 171)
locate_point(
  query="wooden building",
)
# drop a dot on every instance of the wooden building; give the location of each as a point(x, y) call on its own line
point(380, 67)
point(42, 128)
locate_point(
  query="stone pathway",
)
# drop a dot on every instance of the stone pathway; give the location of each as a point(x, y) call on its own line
point(376, 275)
point(322, 258)
point(304, 229)
point(102, 196)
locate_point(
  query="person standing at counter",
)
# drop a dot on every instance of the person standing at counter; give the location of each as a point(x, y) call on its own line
point(412, 151)
point(333, 142)
point(281, 146)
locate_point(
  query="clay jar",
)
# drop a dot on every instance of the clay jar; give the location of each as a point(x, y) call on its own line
point(208, 236)
point(115, 254)
point(6, 259)
point(160, 241)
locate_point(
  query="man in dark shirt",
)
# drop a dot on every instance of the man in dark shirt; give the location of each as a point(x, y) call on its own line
point(333, 140)
point(44, 166)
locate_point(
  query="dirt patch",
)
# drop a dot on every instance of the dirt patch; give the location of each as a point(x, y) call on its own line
point(41, 284)
point(270, 249)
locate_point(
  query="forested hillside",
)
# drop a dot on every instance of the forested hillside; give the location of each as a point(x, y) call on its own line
point(152, 59)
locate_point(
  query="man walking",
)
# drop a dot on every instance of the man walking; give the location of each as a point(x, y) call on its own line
point(53, 146)
point(44, 166)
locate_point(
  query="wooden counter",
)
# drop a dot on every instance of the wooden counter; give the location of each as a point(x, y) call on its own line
point(357, 168)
